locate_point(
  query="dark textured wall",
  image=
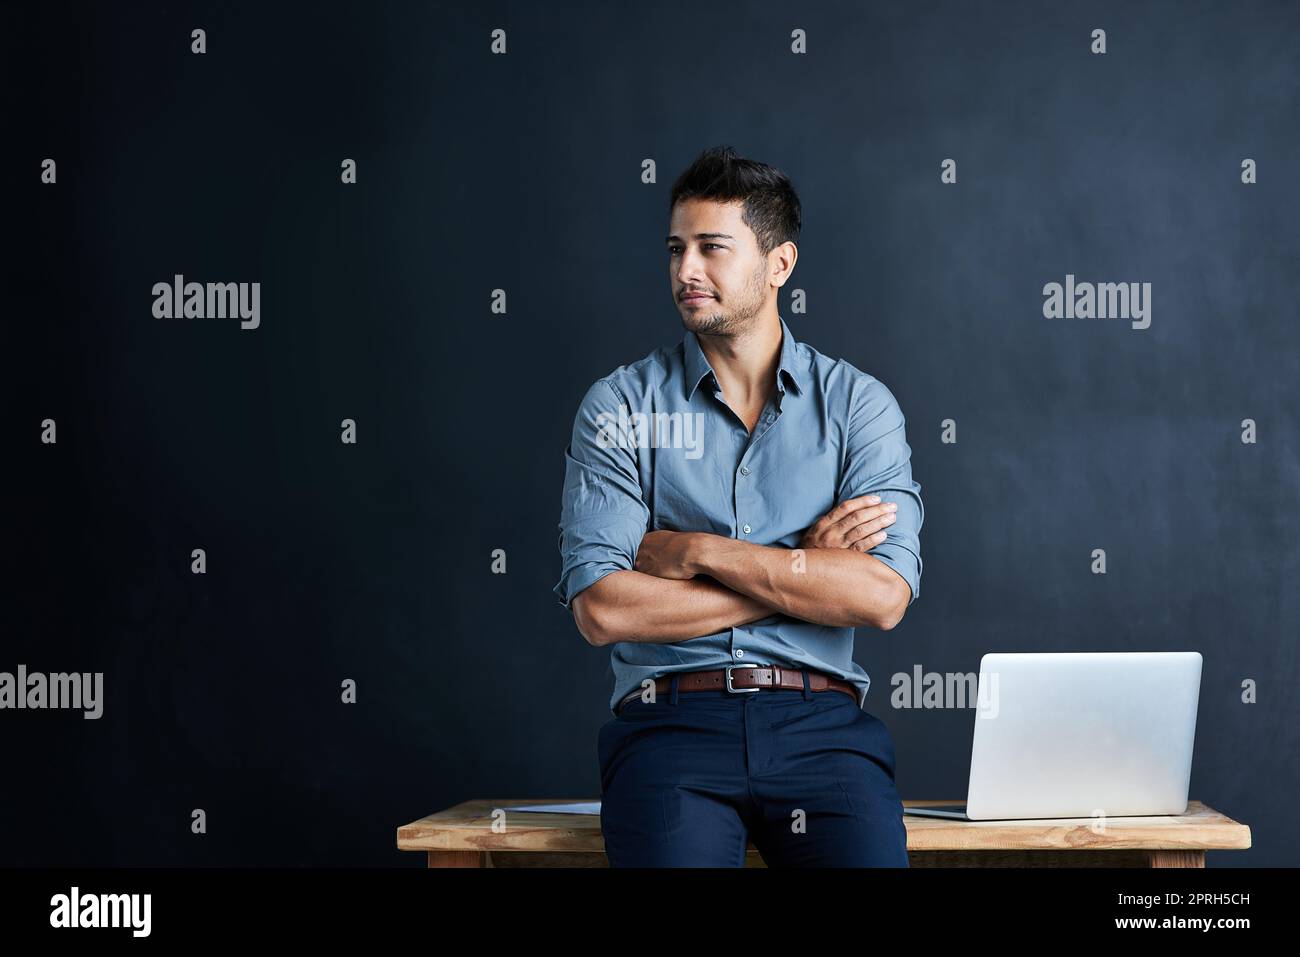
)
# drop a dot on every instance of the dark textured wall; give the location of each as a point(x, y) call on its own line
point(522, 172)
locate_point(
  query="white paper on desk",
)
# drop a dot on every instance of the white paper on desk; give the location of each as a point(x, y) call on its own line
point(577, 807)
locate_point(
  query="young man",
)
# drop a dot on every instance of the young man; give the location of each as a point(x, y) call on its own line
point(734, 506)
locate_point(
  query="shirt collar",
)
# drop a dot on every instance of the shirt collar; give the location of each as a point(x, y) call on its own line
point(697, 365)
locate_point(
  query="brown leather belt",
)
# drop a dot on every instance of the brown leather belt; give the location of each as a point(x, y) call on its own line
point(746, 678)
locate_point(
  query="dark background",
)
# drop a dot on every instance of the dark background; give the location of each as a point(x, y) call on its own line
point(522, 172)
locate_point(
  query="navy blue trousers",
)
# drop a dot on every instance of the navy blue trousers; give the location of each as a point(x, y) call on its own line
point(690, 779)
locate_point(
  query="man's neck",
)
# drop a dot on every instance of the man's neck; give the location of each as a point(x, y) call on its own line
point(746, 365)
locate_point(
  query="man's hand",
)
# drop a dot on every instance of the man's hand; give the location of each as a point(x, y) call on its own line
point(666, 554)
point(856, 523)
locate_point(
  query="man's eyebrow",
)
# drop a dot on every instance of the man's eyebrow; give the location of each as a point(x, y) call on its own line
point(676, 238)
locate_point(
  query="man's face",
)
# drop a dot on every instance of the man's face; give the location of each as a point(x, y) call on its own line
point(712, 252)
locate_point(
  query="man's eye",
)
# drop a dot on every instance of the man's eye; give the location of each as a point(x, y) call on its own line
point(674, 250)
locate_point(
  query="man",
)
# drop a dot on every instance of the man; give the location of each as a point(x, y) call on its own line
point(734, 506)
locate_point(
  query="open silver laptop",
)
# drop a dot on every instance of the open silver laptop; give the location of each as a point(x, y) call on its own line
point(1080, 734)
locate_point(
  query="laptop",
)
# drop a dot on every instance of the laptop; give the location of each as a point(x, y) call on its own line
point(1080, 734)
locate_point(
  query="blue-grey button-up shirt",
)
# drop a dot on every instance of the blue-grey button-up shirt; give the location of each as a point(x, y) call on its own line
point(655, 446)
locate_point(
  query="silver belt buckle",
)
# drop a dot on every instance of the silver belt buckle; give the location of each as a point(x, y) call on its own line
point(735, 690)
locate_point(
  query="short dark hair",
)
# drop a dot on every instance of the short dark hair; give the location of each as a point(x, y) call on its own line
point(771, 205)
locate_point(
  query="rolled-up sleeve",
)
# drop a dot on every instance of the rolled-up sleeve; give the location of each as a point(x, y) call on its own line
point(603, 515)
point(878, 461)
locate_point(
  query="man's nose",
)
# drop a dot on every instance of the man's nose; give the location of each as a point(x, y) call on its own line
point(689, 270)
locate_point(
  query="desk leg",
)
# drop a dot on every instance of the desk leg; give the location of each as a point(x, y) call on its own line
point(1175, 858)
point(460, 859)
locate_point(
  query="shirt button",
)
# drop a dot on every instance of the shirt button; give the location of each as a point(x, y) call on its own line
point(746, 529)
point(744, 470)
point(740, 652)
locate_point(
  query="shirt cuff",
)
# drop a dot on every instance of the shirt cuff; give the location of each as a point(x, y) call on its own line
point(903, 561)
point(582, 577)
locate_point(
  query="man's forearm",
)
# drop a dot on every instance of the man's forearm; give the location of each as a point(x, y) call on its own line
point(633, 606)
point(830, 586)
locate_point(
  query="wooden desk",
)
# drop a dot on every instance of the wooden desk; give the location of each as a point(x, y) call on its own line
point(462, 836)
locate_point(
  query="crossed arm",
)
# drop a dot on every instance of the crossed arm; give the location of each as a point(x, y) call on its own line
point(687, 584)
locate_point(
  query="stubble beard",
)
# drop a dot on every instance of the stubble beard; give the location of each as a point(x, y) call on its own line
point(723, 323)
